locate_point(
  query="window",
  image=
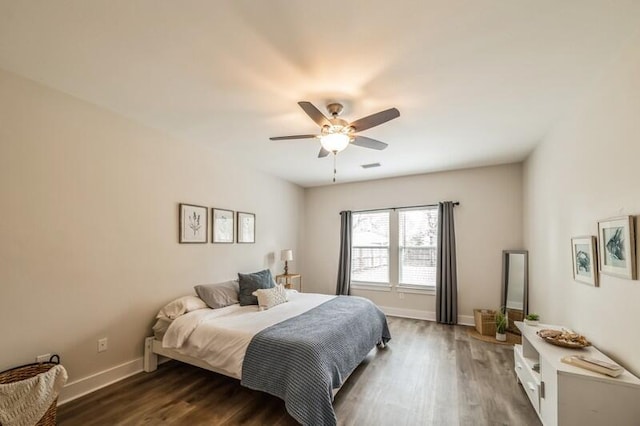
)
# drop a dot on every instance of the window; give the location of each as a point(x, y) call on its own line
point(417, 244)
point(370, 247)
point(411, 234)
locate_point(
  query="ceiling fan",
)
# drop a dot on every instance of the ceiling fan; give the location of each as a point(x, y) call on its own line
point(336, 134)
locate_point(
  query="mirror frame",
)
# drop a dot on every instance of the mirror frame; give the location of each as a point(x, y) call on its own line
point(505, 274)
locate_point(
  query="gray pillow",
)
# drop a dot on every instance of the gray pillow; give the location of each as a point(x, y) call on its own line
point(251, 282)
point(218, 295)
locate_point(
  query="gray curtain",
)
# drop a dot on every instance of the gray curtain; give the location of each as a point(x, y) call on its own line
point(344, 266)
point(446, 276)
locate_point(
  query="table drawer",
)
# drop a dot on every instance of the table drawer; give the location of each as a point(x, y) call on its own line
point(526, 377)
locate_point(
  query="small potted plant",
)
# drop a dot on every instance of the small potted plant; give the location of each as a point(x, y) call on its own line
point(501, 326)
point(532, 319)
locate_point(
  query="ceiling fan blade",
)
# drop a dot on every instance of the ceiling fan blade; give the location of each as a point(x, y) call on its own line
point(323, 153)
point(369, 143)
point(375, 119)
point(284, 138)
point(314, 113)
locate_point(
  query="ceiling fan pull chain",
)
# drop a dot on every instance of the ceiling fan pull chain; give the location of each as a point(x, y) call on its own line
point(334, 167)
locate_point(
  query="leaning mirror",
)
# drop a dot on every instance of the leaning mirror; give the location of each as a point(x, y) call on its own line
point(515, 285)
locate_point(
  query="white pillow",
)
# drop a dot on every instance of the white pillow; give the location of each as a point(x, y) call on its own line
point(181, 306)
point(160, 327)
point(270, 297)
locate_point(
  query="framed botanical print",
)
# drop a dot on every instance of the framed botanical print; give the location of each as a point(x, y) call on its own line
point(585, 266)
point(193, 224)
point(617, 245)
point(246, 227)
point(222, 225)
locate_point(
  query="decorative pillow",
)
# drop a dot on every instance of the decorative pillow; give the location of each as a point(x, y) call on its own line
point(249, 283)
point(218, 295)
point(268, 298)
point(181, 306)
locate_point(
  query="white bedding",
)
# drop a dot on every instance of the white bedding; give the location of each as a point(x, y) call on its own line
point(220, 337)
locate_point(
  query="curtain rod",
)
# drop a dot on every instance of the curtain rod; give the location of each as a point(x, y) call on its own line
point(455, 203)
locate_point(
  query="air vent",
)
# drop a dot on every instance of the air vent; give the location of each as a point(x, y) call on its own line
point(370, 166)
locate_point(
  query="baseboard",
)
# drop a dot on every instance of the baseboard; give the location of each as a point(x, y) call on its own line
point(408, 313)
point(466, 320)
point(96, 381)
point(422, 315)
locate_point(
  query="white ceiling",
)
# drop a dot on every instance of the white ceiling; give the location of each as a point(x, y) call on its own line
point(477, 82)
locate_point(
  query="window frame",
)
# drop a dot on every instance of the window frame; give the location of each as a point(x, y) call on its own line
point(394, 263)
point(407, 287)
point(374, 285)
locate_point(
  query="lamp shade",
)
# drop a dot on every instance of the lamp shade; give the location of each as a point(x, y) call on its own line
point(334, 142)
point(286, 255)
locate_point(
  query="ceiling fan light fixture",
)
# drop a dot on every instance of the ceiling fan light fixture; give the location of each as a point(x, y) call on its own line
point(336, 134)
point(335, 142)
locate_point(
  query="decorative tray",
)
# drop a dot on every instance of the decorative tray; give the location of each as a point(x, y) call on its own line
point(564, 338)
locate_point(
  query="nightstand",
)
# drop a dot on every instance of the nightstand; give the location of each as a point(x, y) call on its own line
point(287, 280)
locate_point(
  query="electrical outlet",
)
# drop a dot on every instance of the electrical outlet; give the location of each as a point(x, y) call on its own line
point(43, 358)
point(102, 344)
point(401, 295)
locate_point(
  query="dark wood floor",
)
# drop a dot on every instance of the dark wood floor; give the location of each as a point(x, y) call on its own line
point(430, 374)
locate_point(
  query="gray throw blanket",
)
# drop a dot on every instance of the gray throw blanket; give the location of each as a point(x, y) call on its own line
point(301, 360)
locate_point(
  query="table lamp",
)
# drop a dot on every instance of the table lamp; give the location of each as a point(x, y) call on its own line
point(286, 255)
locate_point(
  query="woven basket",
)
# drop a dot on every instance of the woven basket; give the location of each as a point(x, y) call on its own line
point(26, 372)
point(485, 321)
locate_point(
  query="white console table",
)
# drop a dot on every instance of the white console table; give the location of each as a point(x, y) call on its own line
point(565, 395)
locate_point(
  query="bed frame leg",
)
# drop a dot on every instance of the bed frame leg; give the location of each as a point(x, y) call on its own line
point(150, 359)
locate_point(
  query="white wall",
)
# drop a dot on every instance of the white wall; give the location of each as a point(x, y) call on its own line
point(88, 236)
point(488, 220)
point(584, 171)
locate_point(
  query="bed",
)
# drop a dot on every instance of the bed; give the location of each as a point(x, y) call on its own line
point(301, 351)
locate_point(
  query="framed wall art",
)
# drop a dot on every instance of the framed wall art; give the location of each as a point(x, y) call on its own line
point(222, 225)
point(246, 227)
point(585, 266)
point(193, 224)
point(617, 247)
